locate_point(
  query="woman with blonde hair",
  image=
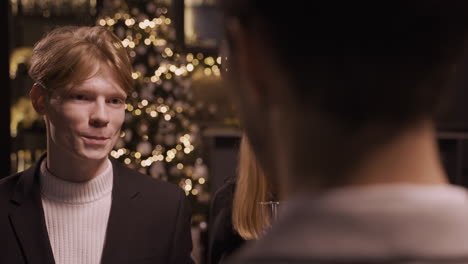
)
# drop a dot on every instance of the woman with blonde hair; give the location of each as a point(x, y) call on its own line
point(235, 214)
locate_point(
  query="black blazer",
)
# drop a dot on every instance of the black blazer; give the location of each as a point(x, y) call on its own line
point(223, 239)
point(149, 220)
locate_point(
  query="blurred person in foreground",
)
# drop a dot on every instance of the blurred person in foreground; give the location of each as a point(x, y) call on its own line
point(235, 215)
point(338, 99)
point(75, 205)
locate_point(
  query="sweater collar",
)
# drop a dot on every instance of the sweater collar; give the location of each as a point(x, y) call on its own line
point(55, 188)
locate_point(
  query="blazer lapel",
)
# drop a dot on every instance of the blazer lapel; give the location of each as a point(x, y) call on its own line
point(27, 218)
point(119, 233)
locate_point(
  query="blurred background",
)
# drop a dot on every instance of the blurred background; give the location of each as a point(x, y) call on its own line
point(180, 125)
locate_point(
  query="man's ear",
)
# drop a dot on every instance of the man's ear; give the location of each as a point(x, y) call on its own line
point(38, 96)
point(248, 57)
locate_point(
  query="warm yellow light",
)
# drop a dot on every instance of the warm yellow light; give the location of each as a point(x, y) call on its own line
point(154, 78)
point(154, 114)
point(172, 68)
point(195, 62)
point(190, 67)
point(125, 42)
point(135, 75)
point(147, 41)
point(117, 16)
point(138, 112)
point(199, 56)
point(188, 187)
point(210, 61)
point(179, 147)
point(163, 109)
point(102, 22)
point(127, 161)
point(180, 166)
point(167, 21)
point(167, 117)
point(122, 134)
point(218, 60)
point(207, 71)
point(179, 72)
point(189, 57)
point(188, 181)
point(168, 76)
point(161, 42)
point(195, 192)
point(179, 109)
point(129, 107)
point(201, 180)
point(186, 150)
point(144, 102)
point(110, 22)
point(137, 155)
point(131, 44)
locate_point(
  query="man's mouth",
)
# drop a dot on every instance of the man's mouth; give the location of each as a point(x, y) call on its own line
point(95, 140)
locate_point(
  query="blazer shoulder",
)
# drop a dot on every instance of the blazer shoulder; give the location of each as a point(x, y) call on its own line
point(10, 178)
point(8, 185)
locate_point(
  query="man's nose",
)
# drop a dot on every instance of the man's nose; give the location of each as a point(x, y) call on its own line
point(99, 116)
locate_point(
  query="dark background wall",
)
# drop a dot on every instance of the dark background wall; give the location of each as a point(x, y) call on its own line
point(5, 98)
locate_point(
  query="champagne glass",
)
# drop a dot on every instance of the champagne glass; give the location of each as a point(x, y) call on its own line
point(268, 214)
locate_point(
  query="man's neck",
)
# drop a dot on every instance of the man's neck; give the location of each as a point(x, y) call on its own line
point(72, 169)
point(410, 158)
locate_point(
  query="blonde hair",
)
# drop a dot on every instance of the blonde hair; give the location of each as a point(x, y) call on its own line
point(70, 55)
point(251, 189)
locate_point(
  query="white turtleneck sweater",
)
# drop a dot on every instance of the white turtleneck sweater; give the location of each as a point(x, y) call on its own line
point(76, 215)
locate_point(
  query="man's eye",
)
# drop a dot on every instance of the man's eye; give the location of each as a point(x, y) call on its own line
point(116, 101)
point(78, 97)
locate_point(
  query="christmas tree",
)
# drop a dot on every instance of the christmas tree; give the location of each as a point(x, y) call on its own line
point(159, 137)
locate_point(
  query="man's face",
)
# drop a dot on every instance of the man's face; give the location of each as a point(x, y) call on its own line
point(84, 121)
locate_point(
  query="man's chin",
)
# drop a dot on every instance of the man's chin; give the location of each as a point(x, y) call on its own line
point(94, 155)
